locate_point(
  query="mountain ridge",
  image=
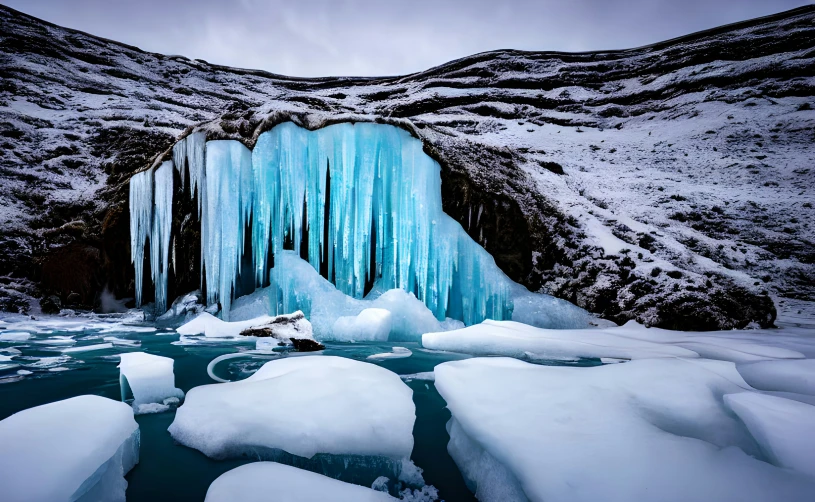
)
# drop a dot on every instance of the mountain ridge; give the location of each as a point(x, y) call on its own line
point(541, 184)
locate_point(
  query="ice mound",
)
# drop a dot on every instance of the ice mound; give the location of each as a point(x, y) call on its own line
point(264, 481)
point(513, 339)
point(304, 406)
point(373, 325)
point(78, 449)
point(646, 430)
point(283, 327)
point(151, 380)
point(784, 429)
point(298, 286)
point(797, 375)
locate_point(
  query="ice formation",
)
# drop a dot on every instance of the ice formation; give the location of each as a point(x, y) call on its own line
point(653, 429)
point(362, 201)
point(371, 324)
point(255, 482)
point(151, 380)
point(304, 406)
point(796, 375)
point(78, 449)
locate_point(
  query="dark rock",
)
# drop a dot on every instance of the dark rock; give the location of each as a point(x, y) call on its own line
point(306, 345)
point(50, 305)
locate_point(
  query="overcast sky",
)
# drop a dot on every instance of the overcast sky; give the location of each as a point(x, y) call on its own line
point(387, 37)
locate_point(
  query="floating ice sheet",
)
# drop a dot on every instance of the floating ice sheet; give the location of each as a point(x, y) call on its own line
point(256, 482)
point(78, 449)
point(304, 406)
point(645, 430)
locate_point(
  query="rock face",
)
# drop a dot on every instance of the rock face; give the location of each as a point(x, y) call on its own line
point(287, 328)
point(667, 184)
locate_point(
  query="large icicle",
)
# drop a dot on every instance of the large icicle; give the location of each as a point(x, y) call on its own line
point(228, 209)
point(141, 222)
point(381, 195)
point(160, 234)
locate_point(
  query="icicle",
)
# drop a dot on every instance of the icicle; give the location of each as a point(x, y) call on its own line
point(160, 234)
point(141, 222)
point(384, 203)
point(229, 189)
point(180, 159)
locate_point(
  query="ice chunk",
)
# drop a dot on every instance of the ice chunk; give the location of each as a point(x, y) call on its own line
point(397, 353)
point(424, 375)
point(797, 375)
point(259, 481)
point(78, 449)
point(88, 348)
point(150, 378)
point(14, 336)
point(654, 429)
point(410, 318)
point(183, 308)
point(369, 325)
point(509, 338)
point(304, 406)
point(784, 429)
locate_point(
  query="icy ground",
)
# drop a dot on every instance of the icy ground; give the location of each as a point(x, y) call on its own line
point(613, 413)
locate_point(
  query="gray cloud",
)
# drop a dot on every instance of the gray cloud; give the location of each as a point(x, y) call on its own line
point(381, 37)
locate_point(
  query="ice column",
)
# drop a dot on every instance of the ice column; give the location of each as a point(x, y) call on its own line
point(228, 209)
point(160, 234)
point(141, 222)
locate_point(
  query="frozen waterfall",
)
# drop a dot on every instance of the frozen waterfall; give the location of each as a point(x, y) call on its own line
point(361, 201)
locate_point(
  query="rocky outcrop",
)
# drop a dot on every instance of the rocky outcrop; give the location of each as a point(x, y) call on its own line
point(667, 184)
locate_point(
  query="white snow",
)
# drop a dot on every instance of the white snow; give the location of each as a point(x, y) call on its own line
point(264, 481)
point(150, 378)
point(303, 405)
point(784, 429)
point(78, 449)
point(796, 375)
point(371, 324)
point(652, 429)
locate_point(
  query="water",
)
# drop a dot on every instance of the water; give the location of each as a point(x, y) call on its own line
point(169, 471)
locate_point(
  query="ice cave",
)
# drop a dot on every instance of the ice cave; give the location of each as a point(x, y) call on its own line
point(361, 201)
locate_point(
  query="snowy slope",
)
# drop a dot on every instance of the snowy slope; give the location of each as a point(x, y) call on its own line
point(668, 183)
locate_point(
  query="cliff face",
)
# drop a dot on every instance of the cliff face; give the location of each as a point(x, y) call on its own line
point(668, 183)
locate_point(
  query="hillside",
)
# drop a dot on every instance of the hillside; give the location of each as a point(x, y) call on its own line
point(669, 183)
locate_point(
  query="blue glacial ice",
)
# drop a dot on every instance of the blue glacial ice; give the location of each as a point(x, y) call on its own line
point(359, 202)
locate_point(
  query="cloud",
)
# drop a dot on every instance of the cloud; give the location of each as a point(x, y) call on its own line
point(372, 37)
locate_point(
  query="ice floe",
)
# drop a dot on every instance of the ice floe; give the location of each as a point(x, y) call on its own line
point(396, 353)
point(304, 406)
point(78, 449)
point(262, 481)
point(631, 341)
point(151, 381)
point(655, 429)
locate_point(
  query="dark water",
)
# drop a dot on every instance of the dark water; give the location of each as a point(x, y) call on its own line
point(169, 471)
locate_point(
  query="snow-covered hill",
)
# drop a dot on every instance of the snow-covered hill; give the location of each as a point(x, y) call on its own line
point(669, 183)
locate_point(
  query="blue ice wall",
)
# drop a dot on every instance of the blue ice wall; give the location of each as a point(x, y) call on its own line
point(383, 195)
